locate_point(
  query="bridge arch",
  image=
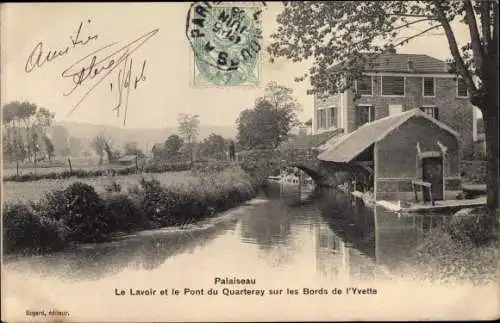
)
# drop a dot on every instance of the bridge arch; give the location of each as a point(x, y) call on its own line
point(261, 164)
point(314, 174)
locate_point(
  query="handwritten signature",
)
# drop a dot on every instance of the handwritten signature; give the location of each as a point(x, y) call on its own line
point(38, 57)
point(92, 67)
point(97, 65)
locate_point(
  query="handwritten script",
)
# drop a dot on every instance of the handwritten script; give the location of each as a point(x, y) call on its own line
point(91, 70)
point(38, 57)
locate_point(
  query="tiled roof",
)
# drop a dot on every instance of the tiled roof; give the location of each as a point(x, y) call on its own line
point(400, 63)
point(354, 143)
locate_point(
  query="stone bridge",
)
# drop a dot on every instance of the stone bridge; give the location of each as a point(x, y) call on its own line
point(265, 162)
point(301, 152)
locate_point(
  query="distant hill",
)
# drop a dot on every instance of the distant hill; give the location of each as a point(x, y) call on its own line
point(143, 136)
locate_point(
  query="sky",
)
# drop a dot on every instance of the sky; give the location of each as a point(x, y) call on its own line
point(166, 88)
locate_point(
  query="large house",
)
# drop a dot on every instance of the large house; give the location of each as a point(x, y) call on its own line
point(393, 83)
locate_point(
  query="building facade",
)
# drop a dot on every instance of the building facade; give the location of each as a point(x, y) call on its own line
point(400, 150)
point(395, 83)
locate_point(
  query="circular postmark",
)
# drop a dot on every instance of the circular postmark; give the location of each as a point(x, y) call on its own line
point(225, 41)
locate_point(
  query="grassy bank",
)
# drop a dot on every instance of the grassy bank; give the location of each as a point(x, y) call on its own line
point(14, 191)
point(113, 170)
point(78, 213)
point(466, 249)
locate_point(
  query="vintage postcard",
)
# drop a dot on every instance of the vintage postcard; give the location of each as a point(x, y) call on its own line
point(249, 161)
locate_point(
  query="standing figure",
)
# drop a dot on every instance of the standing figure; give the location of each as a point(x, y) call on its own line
point(231, 151)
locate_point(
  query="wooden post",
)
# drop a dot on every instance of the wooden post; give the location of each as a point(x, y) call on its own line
point(136, 163)
point(70, 167)
point(17, 168)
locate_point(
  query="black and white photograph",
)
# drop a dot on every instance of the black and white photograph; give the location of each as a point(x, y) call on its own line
point(249, 161)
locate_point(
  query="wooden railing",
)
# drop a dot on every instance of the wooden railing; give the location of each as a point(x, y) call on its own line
point(424, 188)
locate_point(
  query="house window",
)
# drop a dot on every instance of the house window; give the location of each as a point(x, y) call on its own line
point(321, 119)
point(428, 86)
point(364, 85)
point(432, 112)
point(326, 118)
point(364, 114)
point(462, 88)
point(393, 85)
point(333, 117)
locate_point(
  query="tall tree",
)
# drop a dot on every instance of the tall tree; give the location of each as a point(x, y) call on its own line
point(49, 147)
point(281, 97)
point(172, 146)
point(25, 112)
point(261, 127)
point(189, 128)
point(351, 33)
point(42, 123)
point(286, 106)
point(24, 125)
point(269, 123)
point(214, 146)
point(99, 146)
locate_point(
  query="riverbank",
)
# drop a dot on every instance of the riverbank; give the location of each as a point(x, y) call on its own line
point(79, 214)
point(463, 249)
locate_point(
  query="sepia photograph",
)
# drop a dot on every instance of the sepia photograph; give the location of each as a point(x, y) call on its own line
point(250, 161)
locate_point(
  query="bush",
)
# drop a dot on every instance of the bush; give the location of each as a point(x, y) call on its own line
point(78, 213)
point(476, 228)
point(154, 201)
point(442, 258)
point(113, 187)
point(81, 209)
point(23, 229)
point(123, 215)
point(53, 233)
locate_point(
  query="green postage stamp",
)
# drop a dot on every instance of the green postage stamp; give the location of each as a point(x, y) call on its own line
point(226, 43)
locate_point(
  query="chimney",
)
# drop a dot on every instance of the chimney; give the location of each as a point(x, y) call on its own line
point(410, 65)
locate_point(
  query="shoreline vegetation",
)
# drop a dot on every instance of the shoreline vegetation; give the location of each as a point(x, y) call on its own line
point(78, 214)
point(465, 248)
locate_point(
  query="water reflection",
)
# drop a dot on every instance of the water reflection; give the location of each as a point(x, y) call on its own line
point(386, 237)
point(143, 251)
point(327, 231)
point(352, 240)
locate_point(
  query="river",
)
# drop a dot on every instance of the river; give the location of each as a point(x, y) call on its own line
point(283, 241)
